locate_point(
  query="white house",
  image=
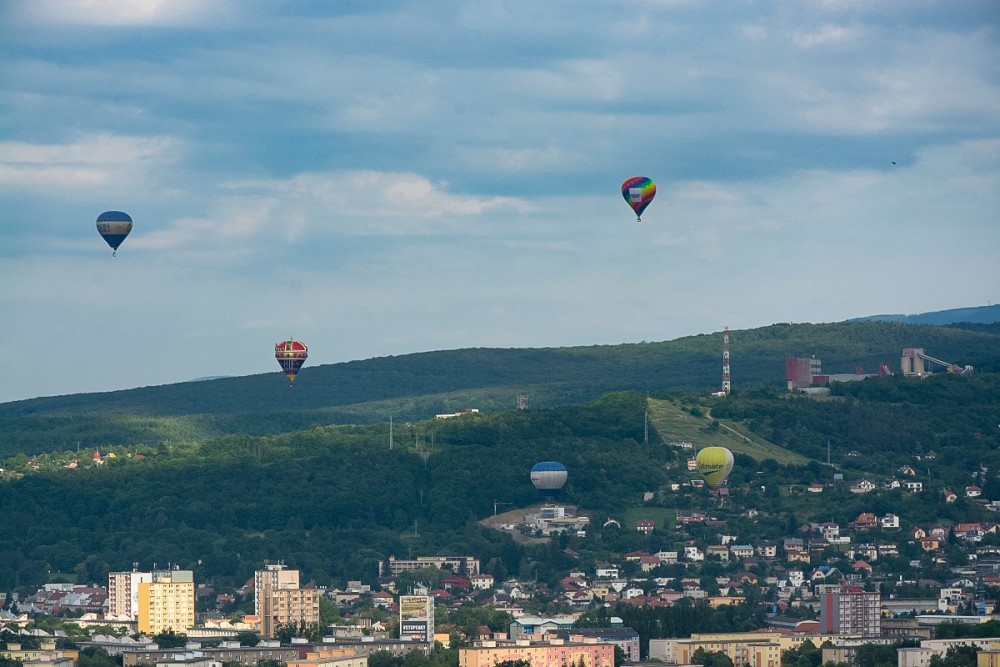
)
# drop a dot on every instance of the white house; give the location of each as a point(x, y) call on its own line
point(667, 557)
point(693, 554)
point(863, 486)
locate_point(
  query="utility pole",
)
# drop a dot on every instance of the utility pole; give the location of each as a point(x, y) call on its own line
point(390, 433)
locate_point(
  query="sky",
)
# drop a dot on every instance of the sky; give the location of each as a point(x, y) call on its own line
point(383, 178)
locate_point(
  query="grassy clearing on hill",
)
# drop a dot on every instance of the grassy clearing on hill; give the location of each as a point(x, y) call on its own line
point(676, 422)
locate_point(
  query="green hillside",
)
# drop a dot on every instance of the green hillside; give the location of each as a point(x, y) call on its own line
point(417, 386)
point(217, 480)
point(676, 422)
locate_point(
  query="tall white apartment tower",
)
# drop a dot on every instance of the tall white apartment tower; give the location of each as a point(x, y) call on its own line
point(123, 594)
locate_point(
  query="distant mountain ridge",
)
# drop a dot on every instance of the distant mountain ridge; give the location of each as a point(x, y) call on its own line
point(974, 315)
point(417, 386)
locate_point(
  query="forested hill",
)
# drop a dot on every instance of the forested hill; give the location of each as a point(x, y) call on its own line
point(417, 386)
point(975, 315)
point(492, 378)
point(335, 500)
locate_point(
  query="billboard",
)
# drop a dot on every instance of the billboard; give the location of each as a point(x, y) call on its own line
point(416, 617)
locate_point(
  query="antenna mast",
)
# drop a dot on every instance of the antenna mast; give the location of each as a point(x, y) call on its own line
point(726, 385)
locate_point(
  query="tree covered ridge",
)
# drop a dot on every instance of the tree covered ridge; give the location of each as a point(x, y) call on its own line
point(414, 387)
point(685, 363)
point(334, 500)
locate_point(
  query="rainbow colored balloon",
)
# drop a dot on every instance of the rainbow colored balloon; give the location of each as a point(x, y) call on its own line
point(638, 191)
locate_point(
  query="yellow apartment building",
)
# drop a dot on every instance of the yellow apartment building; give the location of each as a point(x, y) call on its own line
point(47, 654)
point(757, 649)
point(166, 602)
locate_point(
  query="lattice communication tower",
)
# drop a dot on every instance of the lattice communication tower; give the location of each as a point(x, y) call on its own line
point(726, 385)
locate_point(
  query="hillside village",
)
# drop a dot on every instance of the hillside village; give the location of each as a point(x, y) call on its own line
point(798, 580)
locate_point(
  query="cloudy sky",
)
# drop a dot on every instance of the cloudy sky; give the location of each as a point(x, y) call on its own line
point(380, 178)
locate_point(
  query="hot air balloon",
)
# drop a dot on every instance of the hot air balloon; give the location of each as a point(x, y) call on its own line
point(548, 477)
point(114, 226)
point(638, 191)
point(715, 464)
point(291, 354)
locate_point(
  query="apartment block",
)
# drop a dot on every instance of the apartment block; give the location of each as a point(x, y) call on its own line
point(123, 594)
point(166, 602)
point(847, 609)
point(279, 600)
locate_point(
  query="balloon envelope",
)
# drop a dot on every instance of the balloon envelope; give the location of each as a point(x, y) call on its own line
point(715, 464)
point(548, 477)
point(114, 226)
point(638, 191)
point(291, 354)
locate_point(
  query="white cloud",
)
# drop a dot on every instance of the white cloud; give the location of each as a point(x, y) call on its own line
point(71, 169)
point(372, 202)
point(121, 12)
point(519, 160)
point(825, 35)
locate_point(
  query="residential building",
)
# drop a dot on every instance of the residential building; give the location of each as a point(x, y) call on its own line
point(330, 657)
point(693, 553)
point(920, 656)
point(625, 638)
point(166, 602)
point(606, 571)
point(227, 652)
point(757, 649)
point(279, 600)
point(768, 551)
point(123, 594)
point(741, 551)
point(847, 609)
point(718, 552)
point(46, 654)
point(464, 565)
point(535, 627)
point(555, 653)
point(646, 526)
